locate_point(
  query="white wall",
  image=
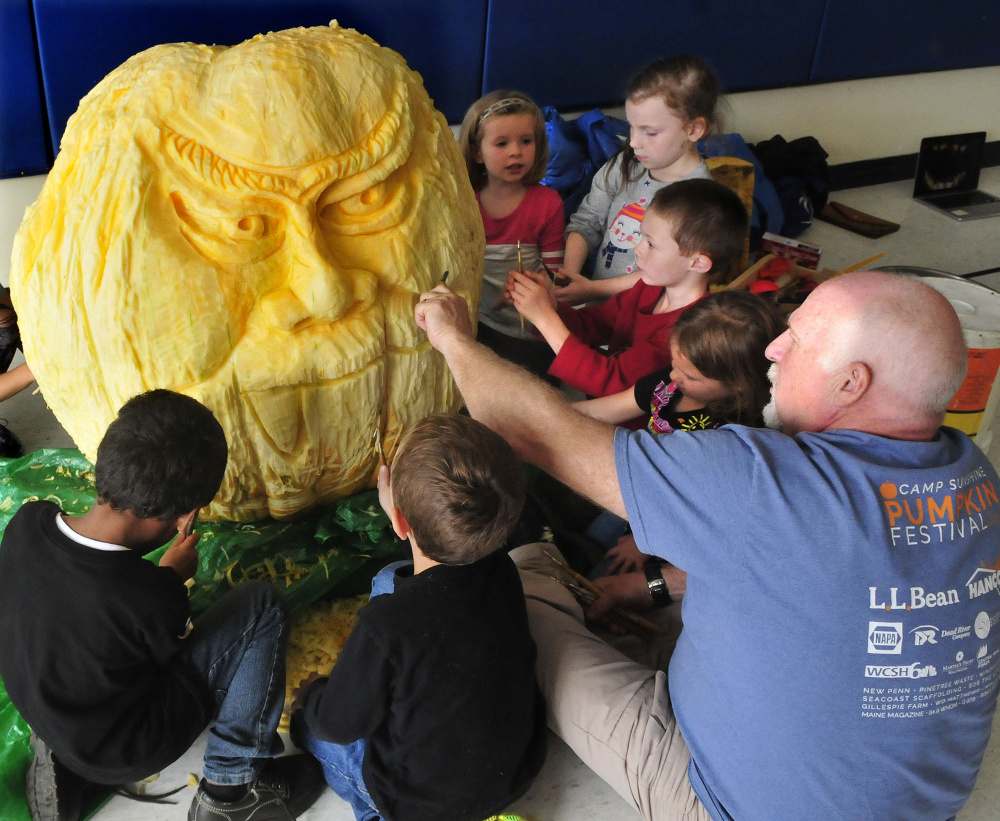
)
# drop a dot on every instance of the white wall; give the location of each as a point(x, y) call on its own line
point(869, 119)
point(16, 194)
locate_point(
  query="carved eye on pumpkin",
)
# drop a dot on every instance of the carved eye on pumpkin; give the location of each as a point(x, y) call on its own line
point(378, 208)
point(228, 240)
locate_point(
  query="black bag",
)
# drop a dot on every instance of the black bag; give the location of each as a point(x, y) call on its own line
point(800, 174)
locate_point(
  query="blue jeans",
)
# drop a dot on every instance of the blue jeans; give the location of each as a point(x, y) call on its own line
point(342, 762)
point(237, 648)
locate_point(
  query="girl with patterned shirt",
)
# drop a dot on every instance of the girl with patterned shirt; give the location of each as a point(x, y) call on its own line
point(718, 375)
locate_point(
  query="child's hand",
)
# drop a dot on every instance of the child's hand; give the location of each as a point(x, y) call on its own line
point(628, 590)
point(300, 690)
point(531, 294)
point(625, 556)
point(182, 555)
point(576, 290)
point(384, 492)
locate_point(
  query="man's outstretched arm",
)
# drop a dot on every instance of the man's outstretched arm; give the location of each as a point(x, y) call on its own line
point(532, 416)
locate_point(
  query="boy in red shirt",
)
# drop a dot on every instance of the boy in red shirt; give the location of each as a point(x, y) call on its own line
point(690, 229)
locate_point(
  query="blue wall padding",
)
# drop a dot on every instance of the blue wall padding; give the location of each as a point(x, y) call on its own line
point(23, 147)
point(862, 38)
point(80, 41)
point(571, 54)
point(577, 54)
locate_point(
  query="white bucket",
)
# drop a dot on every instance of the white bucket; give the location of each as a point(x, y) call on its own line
point(975, 409)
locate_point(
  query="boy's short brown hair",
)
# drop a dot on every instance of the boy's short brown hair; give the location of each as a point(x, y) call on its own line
point(707, 217)
point(459, 485)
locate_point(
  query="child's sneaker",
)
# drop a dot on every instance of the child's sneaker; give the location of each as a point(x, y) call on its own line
point(286, 787)
point(53, 792)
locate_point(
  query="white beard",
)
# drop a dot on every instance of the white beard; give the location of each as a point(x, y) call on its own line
point(770, 412)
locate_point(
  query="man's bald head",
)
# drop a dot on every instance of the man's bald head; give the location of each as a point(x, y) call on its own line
point(869, 351)
point(907, 333)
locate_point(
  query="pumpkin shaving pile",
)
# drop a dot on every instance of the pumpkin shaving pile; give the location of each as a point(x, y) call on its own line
point(314, 643)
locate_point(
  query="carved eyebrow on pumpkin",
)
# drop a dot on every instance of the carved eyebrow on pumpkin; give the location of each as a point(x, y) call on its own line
point(211, 168)
point(382, 151)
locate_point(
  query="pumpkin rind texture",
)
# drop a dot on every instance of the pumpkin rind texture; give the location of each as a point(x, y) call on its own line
point(250, 226)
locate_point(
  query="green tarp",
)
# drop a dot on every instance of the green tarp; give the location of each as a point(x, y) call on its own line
point(332, 551)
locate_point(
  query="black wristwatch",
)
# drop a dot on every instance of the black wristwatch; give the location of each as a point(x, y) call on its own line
point(657, 584)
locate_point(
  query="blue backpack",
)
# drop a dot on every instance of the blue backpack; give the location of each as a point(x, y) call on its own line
point(577, 149)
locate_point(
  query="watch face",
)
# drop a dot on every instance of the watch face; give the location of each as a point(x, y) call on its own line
point(982, 625)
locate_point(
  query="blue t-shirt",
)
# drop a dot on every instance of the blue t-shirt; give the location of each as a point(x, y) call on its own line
point(839, 658)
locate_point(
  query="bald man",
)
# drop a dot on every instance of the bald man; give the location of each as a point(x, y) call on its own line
point(839, 657)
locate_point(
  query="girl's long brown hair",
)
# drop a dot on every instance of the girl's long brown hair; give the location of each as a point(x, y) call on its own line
point(724, 336)
point(686, 84)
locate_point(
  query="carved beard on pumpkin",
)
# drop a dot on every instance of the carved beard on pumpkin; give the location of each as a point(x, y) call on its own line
point(250, 226)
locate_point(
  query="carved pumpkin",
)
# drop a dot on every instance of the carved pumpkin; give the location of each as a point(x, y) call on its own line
point(250, 226)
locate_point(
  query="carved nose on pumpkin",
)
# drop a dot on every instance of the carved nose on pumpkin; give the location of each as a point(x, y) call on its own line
point(316, 288)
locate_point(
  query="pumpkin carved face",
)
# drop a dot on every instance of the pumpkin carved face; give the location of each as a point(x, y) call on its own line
point(250, 226)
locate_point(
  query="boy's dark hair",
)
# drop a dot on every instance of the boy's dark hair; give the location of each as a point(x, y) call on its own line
point(459, 485)
point(708, 218)
point(724, 335)
point(163, 456)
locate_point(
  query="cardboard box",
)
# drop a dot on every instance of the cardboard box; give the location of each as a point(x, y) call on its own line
point(801, 253)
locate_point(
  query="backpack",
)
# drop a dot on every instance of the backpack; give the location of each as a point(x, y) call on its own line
point(800, 175)
point(577, 149)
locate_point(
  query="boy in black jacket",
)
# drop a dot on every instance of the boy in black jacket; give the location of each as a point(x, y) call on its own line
point(100, 655)
point(431, 712)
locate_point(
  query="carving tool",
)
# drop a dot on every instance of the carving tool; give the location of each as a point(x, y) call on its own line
point(555, 280)
point(520, 270)
point(857, 266)
point(592, 590)
point(377, 444)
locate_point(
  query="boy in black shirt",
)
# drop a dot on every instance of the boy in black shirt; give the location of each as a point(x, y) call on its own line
point(432, 712)
point(100, 656)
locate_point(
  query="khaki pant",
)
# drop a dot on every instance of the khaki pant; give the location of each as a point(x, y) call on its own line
point(611, 709)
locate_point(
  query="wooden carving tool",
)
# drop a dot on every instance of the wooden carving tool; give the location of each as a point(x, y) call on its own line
point(857, 266)
point(589, 589)
point(520, 270)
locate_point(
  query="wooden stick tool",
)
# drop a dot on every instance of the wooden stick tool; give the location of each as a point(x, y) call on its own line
point(590, 592)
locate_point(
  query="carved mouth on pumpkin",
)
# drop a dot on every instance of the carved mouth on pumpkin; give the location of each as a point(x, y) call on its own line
point(295, 418)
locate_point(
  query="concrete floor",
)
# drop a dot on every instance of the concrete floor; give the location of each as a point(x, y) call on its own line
point(567, 790)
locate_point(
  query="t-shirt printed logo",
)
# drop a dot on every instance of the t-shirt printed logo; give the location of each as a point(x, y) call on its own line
point(924, 634)
point(885, 637)
point(941, 511)
point(984, 580)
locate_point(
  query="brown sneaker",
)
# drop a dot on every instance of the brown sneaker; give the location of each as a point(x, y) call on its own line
point(53, 792)
point(285, 788)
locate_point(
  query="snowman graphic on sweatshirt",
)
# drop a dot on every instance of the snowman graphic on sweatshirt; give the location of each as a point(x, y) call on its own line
point(625, 231)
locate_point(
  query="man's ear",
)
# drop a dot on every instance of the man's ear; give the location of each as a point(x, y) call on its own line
point(855, 379)
point(400, 526)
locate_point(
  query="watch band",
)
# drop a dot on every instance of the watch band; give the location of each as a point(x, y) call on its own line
point(657, 585)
